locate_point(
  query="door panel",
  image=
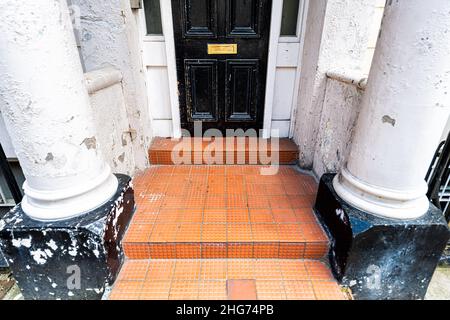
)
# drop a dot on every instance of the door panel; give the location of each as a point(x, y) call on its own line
point(241, 90)
point(224, 90)
point(201, 89)
point(242, 18)
point(200, 18)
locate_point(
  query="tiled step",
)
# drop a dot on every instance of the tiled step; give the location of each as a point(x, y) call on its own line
point(224, 212)
point(221, 279)
point(167, 151)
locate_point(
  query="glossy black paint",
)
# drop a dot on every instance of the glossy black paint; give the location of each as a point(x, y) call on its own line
point(223, 91)
point(380, 258)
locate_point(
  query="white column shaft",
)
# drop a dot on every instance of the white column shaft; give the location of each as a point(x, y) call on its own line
point(403, 112)
point(46, 108)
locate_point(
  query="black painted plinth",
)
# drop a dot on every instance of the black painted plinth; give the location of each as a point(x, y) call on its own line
point(69, 259)
point(3, 262)
point(380, 258)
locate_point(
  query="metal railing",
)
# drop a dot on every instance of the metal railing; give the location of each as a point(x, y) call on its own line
point(11, 182)
point(438, 178)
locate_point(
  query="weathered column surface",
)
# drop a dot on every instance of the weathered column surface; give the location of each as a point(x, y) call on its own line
point(46, 108)
point(64, 241)
point(386, 238)
point(404, 110)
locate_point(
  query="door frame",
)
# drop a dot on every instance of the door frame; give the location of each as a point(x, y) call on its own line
point(167, 24)
point(274, 39)
point(275, 27)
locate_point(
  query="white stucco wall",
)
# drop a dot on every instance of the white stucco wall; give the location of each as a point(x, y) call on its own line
point(110, 38)
point(111, 120)
point(336, 38)
point(337, 122)
point(374, 31)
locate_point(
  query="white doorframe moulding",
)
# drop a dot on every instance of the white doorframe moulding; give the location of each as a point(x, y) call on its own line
point(274, 40)
point(281, 92)
point(275, 27)
point(302, 18)
point(167, 23)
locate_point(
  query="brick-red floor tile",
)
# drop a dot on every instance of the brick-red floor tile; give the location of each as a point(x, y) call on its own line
point(219, 279)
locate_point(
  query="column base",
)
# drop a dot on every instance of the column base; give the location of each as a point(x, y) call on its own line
point(411, 204)
point(377, 257)
point(68, 259)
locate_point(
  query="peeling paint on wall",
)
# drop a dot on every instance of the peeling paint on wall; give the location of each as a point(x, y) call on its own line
point(110, 117)
point(336, 38)
point(339, 114)
point(389, 120)
point(110, 38)
point(90, 143)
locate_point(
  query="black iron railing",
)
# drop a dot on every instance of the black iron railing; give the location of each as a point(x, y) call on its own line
point(438, 178)
point(9, 177)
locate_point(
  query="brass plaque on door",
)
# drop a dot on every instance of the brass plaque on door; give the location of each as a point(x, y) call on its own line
point(222, 48)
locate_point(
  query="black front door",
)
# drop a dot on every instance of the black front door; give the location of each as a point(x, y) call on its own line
point(221, 53)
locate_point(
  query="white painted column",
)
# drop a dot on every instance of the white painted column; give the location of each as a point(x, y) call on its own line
point(46, 108)
point(403, 112)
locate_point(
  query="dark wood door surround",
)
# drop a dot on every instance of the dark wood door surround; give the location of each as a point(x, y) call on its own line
point(223, 91)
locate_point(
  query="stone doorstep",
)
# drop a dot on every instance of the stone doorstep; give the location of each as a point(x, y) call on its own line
point(236, 213)
point(226, 279)
point(203, 252)
point(218, 151)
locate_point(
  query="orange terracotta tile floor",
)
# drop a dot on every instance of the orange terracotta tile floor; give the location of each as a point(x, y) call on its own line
point(222, 279)
point(223, 151)
point(225, 232)
point(224, 212)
